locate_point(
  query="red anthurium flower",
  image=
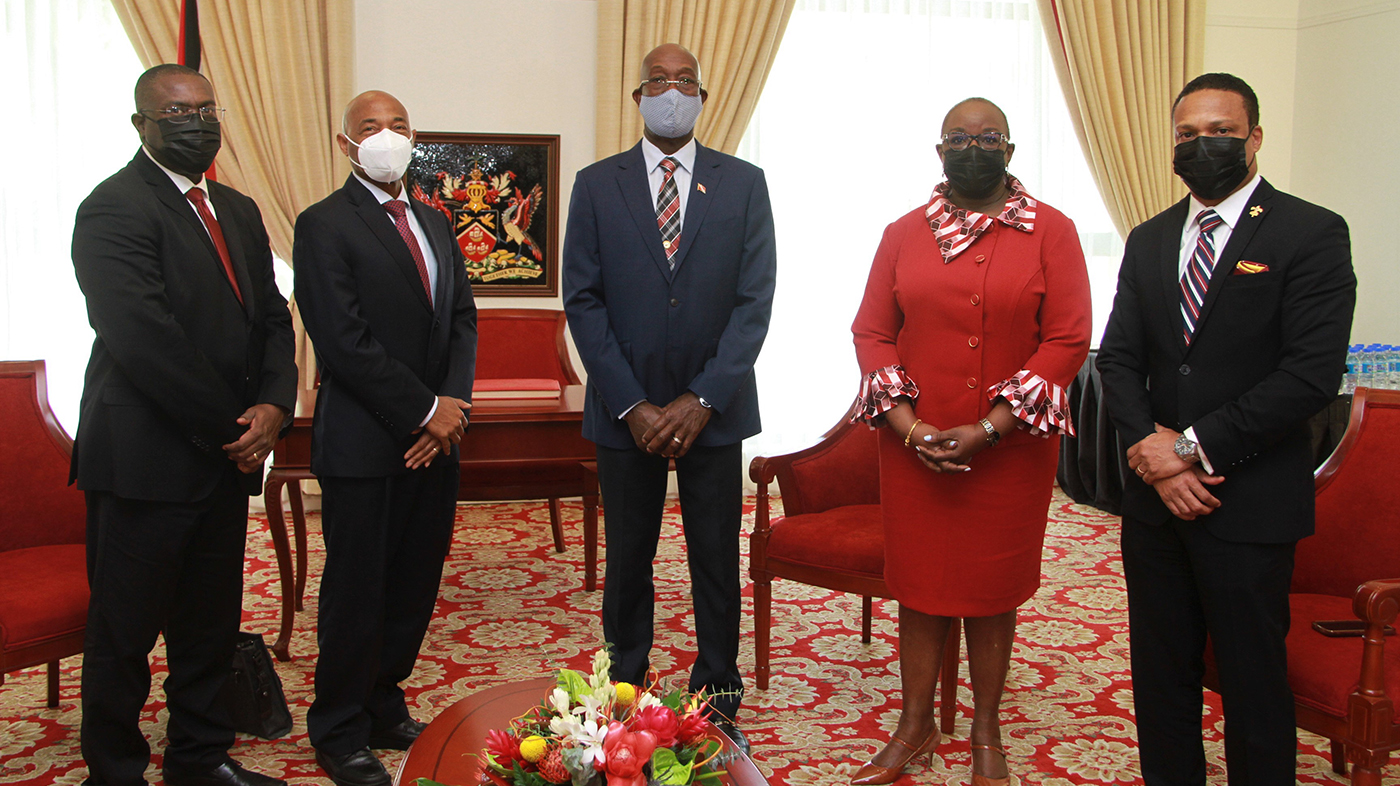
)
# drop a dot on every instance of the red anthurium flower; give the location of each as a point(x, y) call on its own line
point(661, 721)
point(627, 755)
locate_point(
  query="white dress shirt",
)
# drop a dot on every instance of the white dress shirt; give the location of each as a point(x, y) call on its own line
point(1230, 209)
point(429, 258)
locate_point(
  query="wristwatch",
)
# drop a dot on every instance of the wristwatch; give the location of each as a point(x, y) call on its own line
point(1185, 449)
point(993, 436)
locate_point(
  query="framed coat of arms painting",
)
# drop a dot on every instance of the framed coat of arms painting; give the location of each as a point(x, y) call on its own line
point(501, 193)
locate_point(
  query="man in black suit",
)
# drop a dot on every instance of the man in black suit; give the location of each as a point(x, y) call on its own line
point(669, 266)
point(383, 291)
point(190, 380)
point(1228, 331)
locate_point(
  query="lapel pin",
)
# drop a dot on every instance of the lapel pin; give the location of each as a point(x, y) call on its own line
point(1255, 211)
point(700, 187)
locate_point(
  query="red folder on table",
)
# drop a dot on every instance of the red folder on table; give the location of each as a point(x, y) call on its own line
point(490, 389)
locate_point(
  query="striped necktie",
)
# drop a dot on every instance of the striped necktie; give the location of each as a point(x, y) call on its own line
point(668, 210)
point(1196, 279)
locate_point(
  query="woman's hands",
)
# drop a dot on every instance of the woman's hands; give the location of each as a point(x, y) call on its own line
point(951, 450)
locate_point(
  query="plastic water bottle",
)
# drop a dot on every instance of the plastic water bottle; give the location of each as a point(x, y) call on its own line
point(1353, 362)
point(1392, 367)
point(1365, 372)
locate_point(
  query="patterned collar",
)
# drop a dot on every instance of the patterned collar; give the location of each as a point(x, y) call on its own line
point(955, 229)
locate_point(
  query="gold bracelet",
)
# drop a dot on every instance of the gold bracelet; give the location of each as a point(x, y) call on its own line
point(910, 435)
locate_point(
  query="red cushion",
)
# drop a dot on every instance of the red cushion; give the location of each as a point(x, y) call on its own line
point(43, 594)
point(850, 538)
point(1324, 671)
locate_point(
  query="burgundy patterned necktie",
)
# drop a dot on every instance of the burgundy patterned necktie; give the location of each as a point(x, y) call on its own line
point(668, 210)
point(216, 233)
point(1196, 279)
point(399, 210)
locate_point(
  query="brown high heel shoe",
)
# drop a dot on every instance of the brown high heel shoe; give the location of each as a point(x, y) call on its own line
point(982, 780)
point(872, 774)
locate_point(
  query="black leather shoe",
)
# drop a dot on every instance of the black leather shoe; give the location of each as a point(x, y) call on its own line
point(397, 737)
point(360, 768)
point(228, 774)
point(737, 737)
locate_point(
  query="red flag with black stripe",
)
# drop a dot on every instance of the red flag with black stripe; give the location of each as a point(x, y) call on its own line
point(187, 53)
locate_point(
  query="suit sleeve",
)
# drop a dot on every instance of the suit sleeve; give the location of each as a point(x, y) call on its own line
point(278, 384)
point(1319, 296)
point(329, 299)
point(1123, 352)
point(461, 360)
point(586, 306)
point(117, 258)
point(725, 373)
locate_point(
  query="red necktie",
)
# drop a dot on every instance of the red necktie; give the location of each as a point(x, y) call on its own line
point(399, 210)
point(668, 209)
point(201, 206)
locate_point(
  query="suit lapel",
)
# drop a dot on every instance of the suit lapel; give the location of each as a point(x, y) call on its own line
point(1240, 236)
point(1170, 267)
point(233, 241)
point(636, 192)
point(431, 221)
point(381, 224)
point(171, 197)
point(704, 179)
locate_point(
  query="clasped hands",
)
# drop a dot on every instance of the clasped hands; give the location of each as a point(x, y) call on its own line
point(668, 431)
point(264, 422)
point(444, 429)
point(1181, 484)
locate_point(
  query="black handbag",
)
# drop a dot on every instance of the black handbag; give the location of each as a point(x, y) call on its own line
point(253, 693)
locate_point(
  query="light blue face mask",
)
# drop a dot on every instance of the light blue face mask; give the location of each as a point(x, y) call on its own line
point(672, 114)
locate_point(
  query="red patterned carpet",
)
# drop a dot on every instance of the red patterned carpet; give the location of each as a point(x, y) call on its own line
point(511, 608)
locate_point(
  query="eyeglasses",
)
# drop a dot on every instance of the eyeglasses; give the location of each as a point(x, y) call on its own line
point(660, 84)
point(992, 140)
point(180, 115)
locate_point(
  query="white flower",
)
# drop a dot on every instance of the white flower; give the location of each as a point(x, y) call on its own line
point(602, 669)
point(645, 700)
point(559, 700)
point(591, 741)
point(591, 707)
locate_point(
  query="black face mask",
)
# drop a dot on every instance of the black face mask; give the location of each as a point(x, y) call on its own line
point(1211, 166)
point(973, 172)
point(190, 147)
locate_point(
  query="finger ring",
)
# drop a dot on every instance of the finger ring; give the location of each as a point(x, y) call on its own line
point(435, 450)
point(678, 440)
point(1142, 471)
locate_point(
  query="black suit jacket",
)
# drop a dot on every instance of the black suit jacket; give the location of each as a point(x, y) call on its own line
point(1269, 352)
point(383, 350)
point(644, 330)
point(176, 360)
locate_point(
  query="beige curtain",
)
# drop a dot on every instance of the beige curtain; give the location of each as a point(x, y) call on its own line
point(1121, 63)
point(734, 40)
point(283, 68)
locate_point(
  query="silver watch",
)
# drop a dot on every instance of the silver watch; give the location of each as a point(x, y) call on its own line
point(1185, 449)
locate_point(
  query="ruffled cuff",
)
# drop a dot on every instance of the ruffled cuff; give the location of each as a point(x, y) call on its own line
point(1041, 404)
point(878, 391)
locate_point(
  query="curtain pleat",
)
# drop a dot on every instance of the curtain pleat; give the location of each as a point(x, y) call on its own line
point(1121, 63)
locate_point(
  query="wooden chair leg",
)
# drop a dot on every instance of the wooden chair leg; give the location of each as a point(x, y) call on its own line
point(1339, 757)
point(299, 533)
point(762, 623)
point(556, 525)
point(948, 693)
point(277, 527)
point(866, 609)
point(53, 684)
point(1366, 766)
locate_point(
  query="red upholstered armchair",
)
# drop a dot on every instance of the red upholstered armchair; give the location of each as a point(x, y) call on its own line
point(1345, 689)
point(43, 563)
point(527, 343)
point(831, 535)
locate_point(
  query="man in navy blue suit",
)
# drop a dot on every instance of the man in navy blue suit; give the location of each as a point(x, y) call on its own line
point(669, 265)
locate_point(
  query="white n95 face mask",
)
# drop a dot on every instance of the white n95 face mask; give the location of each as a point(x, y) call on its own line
point(671, 114)
point(384, 156)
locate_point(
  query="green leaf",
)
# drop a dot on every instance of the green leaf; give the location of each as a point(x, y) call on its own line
point(574, 683)
point(667, 769)
point(427, 782)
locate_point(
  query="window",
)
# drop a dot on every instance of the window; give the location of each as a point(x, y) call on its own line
point(69, 70)
point(845, 131)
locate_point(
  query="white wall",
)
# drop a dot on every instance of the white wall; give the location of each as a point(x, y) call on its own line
point(488, 66)
point(1347, 153)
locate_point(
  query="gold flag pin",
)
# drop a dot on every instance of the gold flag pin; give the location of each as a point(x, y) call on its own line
point(700, 187)
point(1255, 211)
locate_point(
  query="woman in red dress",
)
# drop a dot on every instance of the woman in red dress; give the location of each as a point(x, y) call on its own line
point(975, 320)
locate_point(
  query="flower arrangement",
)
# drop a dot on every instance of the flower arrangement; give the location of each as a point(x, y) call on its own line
point(591, 731)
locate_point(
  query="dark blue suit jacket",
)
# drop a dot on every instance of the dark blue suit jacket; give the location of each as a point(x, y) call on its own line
point(644, 331)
